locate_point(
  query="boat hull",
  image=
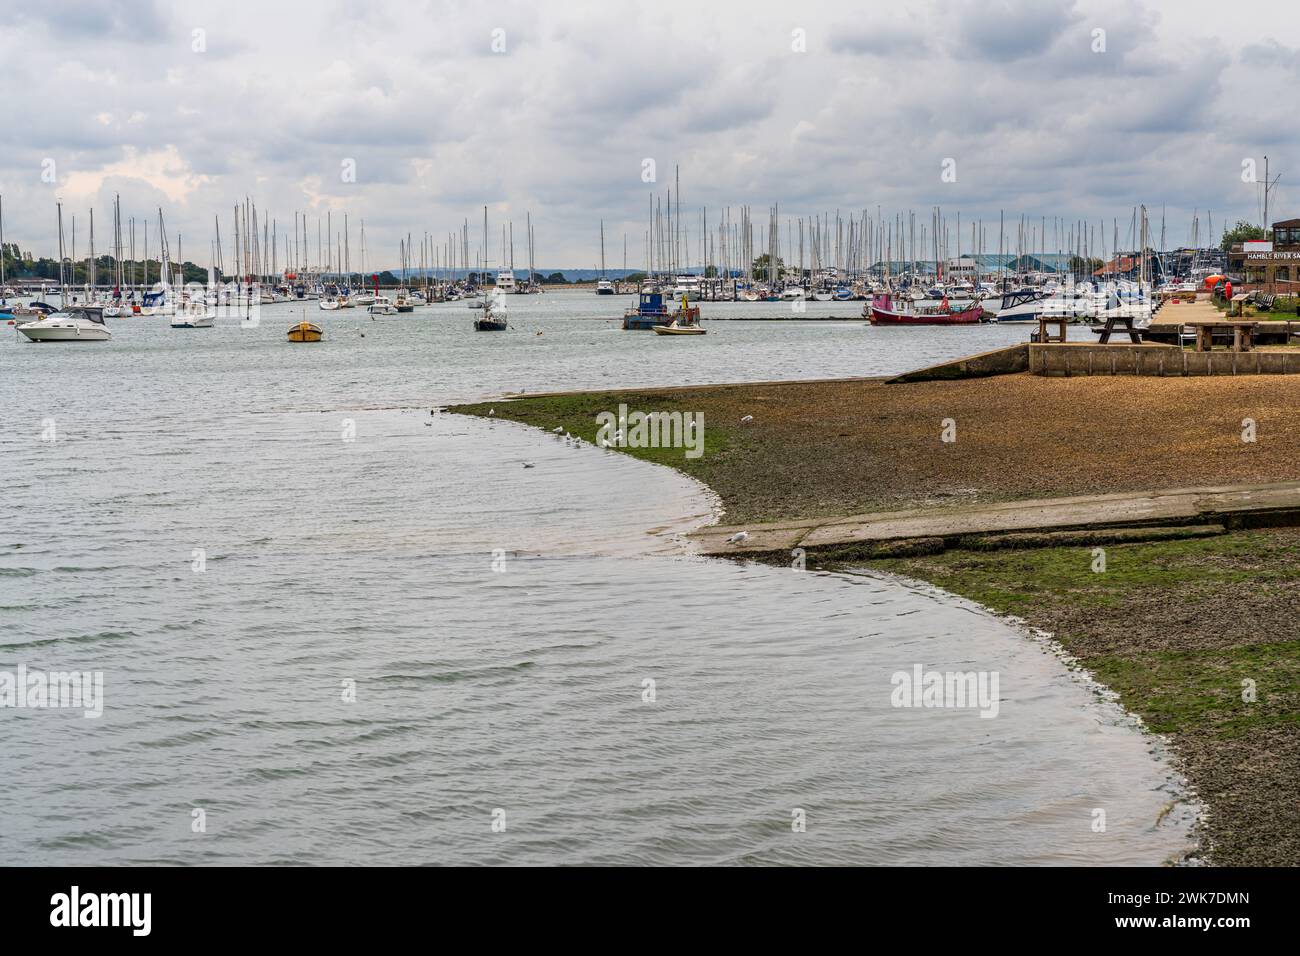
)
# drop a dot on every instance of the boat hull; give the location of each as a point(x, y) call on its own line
point(970, 316)
point(65, 333)
point(305, 332)
point(643, 323)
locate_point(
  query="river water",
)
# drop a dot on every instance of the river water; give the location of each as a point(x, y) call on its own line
point(336, 628)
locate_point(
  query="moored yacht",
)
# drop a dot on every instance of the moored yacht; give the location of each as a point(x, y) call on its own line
point(193, 314)
point(382, 305)
point(76, 323)
point(688, 287)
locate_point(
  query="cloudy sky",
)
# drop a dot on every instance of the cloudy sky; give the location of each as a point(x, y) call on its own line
point(553, 107)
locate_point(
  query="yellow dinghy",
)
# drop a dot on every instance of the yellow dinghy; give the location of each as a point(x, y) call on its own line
point(305, 332)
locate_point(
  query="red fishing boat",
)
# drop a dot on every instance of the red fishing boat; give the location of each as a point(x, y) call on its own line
point(881, 311)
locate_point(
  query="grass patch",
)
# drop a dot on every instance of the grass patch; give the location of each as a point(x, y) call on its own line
point(1012, 582)
point(1186, 691)
point(577, 413)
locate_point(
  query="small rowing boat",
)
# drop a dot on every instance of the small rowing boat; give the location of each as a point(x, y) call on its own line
point(685, 321)
point(304, 331)
point(672, 328)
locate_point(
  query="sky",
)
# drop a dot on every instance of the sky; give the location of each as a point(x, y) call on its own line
point(413, 116)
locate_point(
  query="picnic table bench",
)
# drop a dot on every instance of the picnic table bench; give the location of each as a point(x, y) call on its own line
point(1044, 320)
point(1125, 318)
point(1243, 333)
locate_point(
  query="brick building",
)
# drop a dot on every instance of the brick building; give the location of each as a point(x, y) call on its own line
point(1270, 265)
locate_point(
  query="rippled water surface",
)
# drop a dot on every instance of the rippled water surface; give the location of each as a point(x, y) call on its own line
point(499, 623)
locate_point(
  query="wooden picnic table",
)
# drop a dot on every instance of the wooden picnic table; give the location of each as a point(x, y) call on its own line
point(1125, 319)
point(1243, 333)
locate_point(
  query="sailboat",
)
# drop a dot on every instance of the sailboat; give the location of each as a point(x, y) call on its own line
point(190, 312)
point(362, 297)
point(6, 310)
point(116, 307)
point(493, 318)
point(494, 312)
point(604, 286)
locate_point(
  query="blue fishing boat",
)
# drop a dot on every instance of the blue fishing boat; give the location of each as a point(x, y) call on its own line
point(650, 311)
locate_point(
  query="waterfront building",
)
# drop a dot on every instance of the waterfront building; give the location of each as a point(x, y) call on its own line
point(1271, 265)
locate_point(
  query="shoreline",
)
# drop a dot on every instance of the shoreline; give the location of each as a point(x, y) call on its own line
point(1183, 631)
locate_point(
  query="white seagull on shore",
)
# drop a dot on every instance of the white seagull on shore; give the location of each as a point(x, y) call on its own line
point(747, 419)
point(740, 537)
point(558, 429)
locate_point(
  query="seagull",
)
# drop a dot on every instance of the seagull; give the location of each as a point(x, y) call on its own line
point(491, 412)
point(528, 464)
point(740, 537)
point(747, 419)
point(557, 429)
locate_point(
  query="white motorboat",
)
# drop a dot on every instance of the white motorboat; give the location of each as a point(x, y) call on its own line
point(1021, 306)
point(73, 324)
point(193, 315)
point(382, 305)
point(688, 287)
